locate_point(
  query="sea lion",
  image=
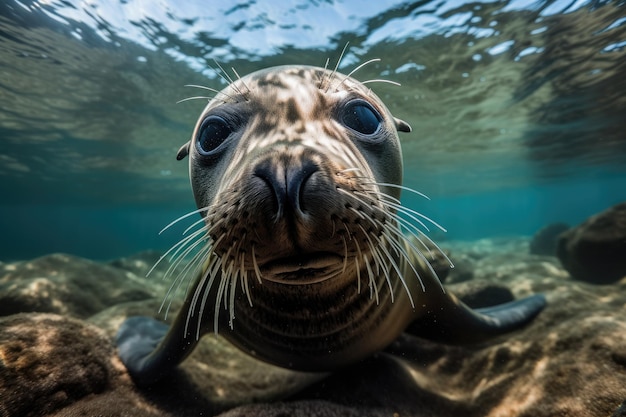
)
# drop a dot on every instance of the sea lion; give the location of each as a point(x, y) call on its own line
point(308, 265)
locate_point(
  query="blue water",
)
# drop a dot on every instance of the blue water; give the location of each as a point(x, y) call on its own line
point(110, 232)
point(517, 108)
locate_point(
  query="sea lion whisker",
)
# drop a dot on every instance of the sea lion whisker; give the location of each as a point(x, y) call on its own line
point(358, 268)
point(334, 72)
point(382, 247)
point(406, 210)
point(371, 200)
point(180, 244)
point(401, 187)
point(184, 216)
point(381, 80)
point(354, 169)
point(358, 213)
point(216, 270)
point(180, 277)
point(372, 281)
point(403, 252)
point(209, 266)
point(207, 98)
point(221, 289)
point(255, 265)
point(322, 76)
point(194, 224)
point(183, 249)
point(415, 232)
point(375, 250)
point(230, 81)
point(356, 69)
point(241, 80)
point(412, 214)
point(203, 87)
point(389, 227)
point(345, 256)
point(421, 256)
point(326, 65)
point(176, 248)
point(358, 275)
point(396, 267)
point(212, 268)
point(224, 75)
point(233, 290)
point(246, 285)
point(198, 261)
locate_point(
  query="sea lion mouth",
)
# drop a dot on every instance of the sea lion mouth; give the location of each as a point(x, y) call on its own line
point(303, 269)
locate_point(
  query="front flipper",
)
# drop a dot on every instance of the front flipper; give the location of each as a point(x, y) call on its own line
point(449, 320)
point(148, 350)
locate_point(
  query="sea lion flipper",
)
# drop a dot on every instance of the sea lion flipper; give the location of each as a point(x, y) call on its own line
point(455, 323)
point(512, 315)
point(146, 349)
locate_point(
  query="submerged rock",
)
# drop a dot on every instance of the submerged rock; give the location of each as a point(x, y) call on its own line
point(595, 251)
point(571, 360)
point(50, 363)
point(66, 284)
point(545, 241)
point(143, 263)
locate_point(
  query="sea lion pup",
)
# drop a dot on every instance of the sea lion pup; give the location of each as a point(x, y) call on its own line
point(307, 265)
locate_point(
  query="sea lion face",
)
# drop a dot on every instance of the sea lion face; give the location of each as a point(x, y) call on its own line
point(290, 163)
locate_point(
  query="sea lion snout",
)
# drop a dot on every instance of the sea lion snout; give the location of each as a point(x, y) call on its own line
point(290, 185)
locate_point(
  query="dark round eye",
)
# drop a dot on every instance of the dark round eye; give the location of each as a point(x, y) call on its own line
point(212, 133)
point(360, 116)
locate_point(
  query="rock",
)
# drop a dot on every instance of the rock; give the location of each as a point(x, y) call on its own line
point(621, 411)
point(66, 284)
point(479, 294)
point(595, 251)
point(142, 263)
point(571, 360)
point(298, 409)
point(49, 362)
point(545, 241)
point(463, 269)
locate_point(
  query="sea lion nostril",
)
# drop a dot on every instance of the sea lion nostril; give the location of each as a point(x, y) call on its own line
point(297, 178)
point(275, 185)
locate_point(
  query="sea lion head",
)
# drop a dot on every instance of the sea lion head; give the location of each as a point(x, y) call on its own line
point(291, 167)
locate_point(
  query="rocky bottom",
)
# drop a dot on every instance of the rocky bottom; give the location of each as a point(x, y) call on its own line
point(59, 314)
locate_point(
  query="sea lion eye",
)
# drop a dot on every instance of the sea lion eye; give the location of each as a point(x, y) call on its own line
point(360, 116)
point(212, 133)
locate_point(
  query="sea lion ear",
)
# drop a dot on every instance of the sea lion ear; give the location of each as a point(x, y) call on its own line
point(183, 151)
point(401, 125)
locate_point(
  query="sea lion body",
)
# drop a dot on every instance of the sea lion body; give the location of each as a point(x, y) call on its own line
point(297, 171)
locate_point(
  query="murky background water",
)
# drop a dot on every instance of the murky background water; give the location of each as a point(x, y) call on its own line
point(518, 108)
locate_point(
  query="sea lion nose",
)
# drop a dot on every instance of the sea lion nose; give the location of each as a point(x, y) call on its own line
point(287, 183)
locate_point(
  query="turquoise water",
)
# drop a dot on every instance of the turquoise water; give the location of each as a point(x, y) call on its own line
point(517, 108)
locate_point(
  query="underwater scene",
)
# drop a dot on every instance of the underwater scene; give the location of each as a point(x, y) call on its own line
point(313, 208)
